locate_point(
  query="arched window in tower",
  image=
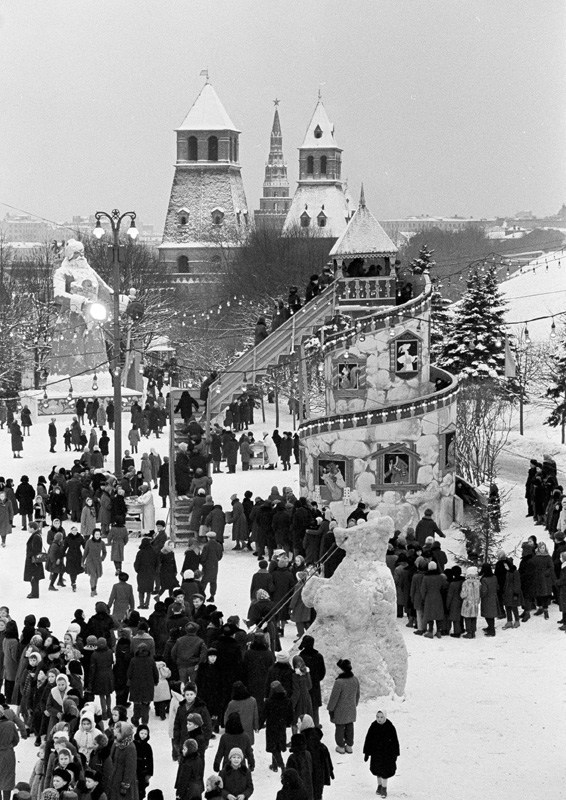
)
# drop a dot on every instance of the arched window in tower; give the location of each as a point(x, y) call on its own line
point(183, 264)
point(323, 165)
point(321, 218)
point(193, 148)
point(318, 132)
point(310, 165)
point(212, 148)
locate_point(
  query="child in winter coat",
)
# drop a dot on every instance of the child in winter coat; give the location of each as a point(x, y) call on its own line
point(488, 594)
point(237, 778)
point(512, 594)
point(144, 753)
point(189, 784)
point(162, 693)
point(84, 737)
point(470, 595)
point(454, 601)
point(233, 737)
point(213, 787)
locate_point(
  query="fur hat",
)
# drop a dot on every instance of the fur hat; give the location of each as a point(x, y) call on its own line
point(190, 746)
point(91, 642)
point(282, 657)
point(188, 574)
point(211, 535)
point(194, 719)
point(432, 566)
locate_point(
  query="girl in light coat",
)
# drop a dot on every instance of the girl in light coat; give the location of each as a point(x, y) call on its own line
point(470, 595)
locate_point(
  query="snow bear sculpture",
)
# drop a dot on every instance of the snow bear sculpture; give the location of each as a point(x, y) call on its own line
point(356, 611)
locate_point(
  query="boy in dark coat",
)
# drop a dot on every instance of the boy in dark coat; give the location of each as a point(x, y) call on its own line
point(189, 784)
point(144, 753)
point(277, 716)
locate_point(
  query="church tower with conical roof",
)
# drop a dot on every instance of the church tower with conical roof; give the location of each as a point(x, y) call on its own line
point(275, 203)
point(207, 217)
point(321, 202)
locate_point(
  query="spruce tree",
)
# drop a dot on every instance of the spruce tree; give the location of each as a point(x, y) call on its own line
point(475, 345)
point(439, 316)
point(557, 390)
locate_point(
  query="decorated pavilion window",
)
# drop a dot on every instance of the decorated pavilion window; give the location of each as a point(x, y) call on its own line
point(405, 354)
point(332, 475)
point(396, 467)
point(447, 452)
point(349, 376)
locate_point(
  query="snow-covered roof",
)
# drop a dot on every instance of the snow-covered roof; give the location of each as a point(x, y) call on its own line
point(320, 131)
point(207, 114)
point(364, 236)
point(332, 199)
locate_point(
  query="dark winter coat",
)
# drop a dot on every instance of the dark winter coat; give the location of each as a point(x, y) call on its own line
point(431, 590)
point(9, 738)
point(211, 689)
point(527, 573)
point(344, 700)
point(301, 761)
point(180, 723)
point(143, 676)
point(315, 662)
point(284, 581)
point(454, 600)
point(125, 762)
point(163, 475)
point(101, 676)
point(211, 554)
point(381, 746)
point(117, 539)
point(239, 522)
point(25, 495)
point(74, 544)
point(512, 593)
point(257, 662)
point(426, 527)
point(216, 521)
point(123, 658)
point(322, 767)
point(167, 570)
point(282, 672)
point(146, 565)
point(561, 588)
point(189, 651)
point(237, 782)
point(488, 595)
point(277, 716)
point(261, 580)
point(189, 783)
point(543, 575)
point(34, 547)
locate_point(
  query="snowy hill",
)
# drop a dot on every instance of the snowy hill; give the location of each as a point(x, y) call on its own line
point(538, 290)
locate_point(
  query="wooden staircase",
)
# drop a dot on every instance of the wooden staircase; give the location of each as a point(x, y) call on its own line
point(350, 296)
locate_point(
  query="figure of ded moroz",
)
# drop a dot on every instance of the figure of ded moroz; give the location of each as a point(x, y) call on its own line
point(85, 303)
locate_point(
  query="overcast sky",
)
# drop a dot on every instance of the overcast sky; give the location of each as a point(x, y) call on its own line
point(441, 106)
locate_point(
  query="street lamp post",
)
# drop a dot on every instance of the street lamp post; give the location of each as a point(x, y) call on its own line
point(115, 219)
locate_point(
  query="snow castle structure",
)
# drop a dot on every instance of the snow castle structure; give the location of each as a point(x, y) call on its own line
point(387, 434)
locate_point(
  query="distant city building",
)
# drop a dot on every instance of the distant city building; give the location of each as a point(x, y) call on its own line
point(425, 223)
point(23, 228)
point(207, 218)
point(321, 202)
point(275, 203)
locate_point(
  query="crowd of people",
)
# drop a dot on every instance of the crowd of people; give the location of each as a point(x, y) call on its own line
point(431, 594)
point(84, 693)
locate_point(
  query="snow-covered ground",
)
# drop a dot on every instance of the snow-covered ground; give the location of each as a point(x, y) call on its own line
point(481, 718)
point(538, 290)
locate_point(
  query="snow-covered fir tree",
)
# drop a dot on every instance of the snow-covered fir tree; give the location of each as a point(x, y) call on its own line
point(439, 316)
point(556, 392)
point(474, 346)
